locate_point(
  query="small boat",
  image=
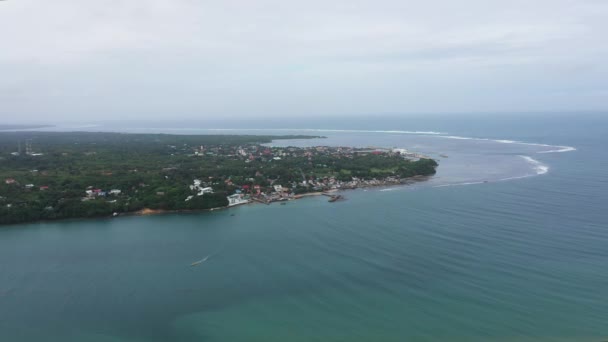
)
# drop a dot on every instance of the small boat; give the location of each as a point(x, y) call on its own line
point(283, 203)
point(335, 198)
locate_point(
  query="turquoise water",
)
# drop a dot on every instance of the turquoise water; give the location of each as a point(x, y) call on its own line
point(522, 257)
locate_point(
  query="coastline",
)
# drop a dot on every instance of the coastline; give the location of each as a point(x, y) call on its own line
point(154, 212)
point(157, 212)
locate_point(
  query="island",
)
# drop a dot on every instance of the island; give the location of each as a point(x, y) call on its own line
point(5, 127)
point(52, 175)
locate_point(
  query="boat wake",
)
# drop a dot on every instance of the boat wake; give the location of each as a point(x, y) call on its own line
point(196, 263)
point(458, 184)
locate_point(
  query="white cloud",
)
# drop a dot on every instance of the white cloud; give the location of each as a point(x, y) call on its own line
point(237, 57)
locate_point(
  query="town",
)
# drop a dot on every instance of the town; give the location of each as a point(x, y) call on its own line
point(87, 176)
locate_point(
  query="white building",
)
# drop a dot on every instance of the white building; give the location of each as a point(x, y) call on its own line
point(236, 199)
point(278, 188)
point(205, 191)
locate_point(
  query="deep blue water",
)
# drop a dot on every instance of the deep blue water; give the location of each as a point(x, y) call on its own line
point(518, 254)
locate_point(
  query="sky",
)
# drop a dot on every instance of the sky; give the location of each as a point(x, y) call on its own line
point(81, 60)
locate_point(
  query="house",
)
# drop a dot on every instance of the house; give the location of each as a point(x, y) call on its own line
point(10, 181)
point(278, 188)
point(29, 186)
point(44, 187)
point(197, 186)
point(115, 192)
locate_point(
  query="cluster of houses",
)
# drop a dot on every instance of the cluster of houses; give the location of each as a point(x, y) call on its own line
point(92, 193)
point(264, 153)
point(246, 193)
point(201, 190)
point(236, 199)
point(12, 181)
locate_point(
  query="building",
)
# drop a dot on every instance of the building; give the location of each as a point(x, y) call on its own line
point(207, 190)
point(10, 181)
point(236, 199)
point(196, 186)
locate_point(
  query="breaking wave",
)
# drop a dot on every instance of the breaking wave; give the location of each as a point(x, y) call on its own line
point(327, 130)
point(555, 148)
point(539, 167)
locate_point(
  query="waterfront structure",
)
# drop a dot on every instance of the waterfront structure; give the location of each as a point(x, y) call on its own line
point(236, 199)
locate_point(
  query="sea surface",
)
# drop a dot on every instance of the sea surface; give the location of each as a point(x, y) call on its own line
point(508, 242)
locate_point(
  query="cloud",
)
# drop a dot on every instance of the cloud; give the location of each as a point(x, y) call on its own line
point(67, 57)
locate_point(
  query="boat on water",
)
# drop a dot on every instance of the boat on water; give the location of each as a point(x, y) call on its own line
point(443, 155)
point(334, 198)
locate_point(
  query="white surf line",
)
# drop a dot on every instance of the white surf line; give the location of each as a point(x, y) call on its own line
point(539, 167)
point(294, 129)
point(557, 148)
point(328, 130)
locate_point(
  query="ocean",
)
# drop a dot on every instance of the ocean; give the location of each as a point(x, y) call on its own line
point(508, 242)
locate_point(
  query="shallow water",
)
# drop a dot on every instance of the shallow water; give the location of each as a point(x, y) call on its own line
point(522, 259)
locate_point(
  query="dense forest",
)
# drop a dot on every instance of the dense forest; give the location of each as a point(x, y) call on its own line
point(67, 175)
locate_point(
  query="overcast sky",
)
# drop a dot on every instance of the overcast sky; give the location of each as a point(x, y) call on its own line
point(111, 59)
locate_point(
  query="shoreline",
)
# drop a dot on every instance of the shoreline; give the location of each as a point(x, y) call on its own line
point(157, 212)
point(154, 212)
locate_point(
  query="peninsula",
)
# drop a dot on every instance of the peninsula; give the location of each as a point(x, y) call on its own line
point(47, 176)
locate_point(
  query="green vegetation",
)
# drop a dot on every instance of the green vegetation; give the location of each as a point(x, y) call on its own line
point(68, 175)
